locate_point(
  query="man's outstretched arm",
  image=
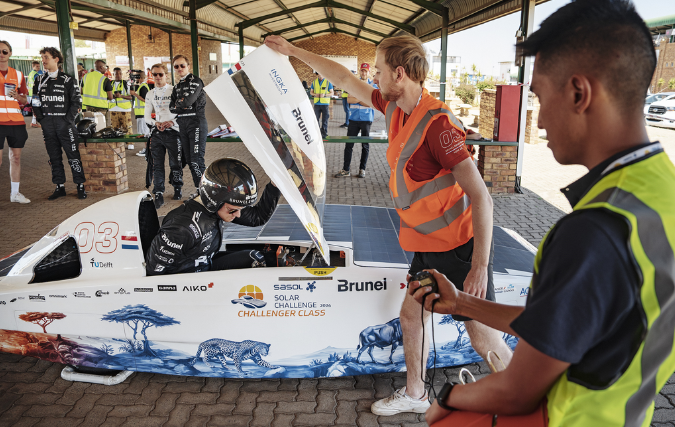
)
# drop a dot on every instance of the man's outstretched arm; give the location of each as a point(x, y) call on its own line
point(337, 74)
point(449, 300)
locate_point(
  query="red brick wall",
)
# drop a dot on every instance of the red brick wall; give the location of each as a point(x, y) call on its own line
point(333, 44)
point(665, 67)
point(141, 46)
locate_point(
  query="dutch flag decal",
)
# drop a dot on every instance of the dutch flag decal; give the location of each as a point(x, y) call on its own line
point(129, 242)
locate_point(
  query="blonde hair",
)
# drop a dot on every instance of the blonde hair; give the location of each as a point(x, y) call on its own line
point(407, 52)
point(160, 65)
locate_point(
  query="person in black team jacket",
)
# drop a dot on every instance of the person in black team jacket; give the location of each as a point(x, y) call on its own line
point(56, 102)
point(190, 234)
point(188, 100)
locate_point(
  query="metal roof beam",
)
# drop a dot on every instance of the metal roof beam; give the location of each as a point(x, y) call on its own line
point(229, 9)
point(436, 8)
point(333, 30)
point(325, 20)
point(326, 3)
point(369, 9)
point(283, 6)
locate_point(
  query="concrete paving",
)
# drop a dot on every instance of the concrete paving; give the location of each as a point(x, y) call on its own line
point(33, 394)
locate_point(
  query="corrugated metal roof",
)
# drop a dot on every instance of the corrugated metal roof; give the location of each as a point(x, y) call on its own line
point(219, 18)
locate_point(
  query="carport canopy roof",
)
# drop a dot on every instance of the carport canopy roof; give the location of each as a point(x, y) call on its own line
point(369, 20)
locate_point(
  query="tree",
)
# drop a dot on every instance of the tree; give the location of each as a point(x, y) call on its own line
point(660, 83)
point(448, 320)
point(671, 84)
point(40, 318)
point(142, 316)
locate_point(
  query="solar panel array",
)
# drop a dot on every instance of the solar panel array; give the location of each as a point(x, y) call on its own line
point(372, 233)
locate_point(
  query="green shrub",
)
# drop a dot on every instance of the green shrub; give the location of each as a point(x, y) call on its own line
point(466, 93)
point(486, 84)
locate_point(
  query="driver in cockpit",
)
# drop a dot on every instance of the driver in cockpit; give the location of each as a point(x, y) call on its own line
point(189, 238)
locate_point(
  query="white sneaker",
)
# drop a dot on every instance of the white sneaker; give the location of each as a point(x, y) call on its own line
point(18, 198)
point(400, 402)
point(141, 153)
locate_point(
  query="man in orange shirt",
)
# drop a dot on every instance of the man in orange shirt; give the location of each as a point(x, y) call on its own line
point(12, 124)
point(444, 206)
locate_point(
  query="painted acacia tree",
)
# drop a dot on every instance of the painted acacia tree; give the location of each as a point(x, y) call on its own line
point(41, 318)
point(143, 317)
point(461, 329)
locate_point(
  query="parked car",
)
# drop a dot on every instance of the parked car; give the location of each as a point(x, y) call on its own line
point(661, 113)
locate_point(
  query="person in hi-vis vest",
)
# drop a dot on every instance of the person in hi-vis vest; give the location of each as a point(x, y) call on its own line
point(120, 106)
point(321, 91)
point(32, 76)
point(345, 107)
point(97, 91)
point(12, 126)
point(139, 95)
point(442, 202)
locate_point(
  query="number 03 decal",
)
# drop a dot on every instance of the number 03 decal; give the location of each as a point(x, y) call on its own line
point(104, 239)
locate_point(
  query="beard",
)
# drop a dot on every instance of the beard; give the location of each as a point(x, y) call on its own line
point(391, 95)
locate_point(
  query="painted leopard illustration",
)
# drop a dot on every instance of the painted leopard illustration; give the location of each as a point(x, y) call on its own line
point(237, 351)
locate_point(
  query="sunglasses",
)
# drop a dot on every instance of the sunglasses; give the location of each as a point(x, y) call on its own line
point(4, 51)
point(157, 74)
point(177, 66)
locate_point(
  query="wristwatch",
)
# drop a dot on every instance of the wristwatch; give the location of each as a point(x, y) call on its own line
point(444, 395)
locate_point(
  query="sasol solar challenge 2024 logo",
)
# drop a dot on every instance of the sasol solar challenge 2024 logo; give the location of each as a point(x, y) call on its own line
point(250, 296)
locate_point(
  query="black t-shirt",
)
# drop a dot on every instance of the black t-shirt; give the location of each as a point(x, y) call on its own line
point(584, 307)
point(107, 86)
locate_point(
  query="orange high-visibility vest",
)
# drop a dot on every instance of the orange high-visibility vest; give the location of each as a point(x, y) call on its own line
point(436, 213)
point(10, 111)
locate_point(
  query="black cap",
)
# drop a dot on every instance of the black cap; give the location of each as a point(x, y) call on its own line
point(228, 181)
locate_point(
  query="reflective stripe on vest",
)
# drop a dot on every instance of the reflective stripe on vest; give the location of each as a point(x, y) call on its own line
point(10, 111)
point(428, 224)
point(637, 191)
point(93, 94)
point(120, 102)
point(139, 106)
point(321, 90)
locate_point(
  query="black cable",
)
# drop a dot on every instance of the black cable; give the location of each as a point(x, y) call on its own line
point(428, 382)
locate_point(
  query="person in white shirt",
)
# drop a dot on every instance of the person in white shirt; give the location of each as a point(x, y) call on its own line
point(164, 135)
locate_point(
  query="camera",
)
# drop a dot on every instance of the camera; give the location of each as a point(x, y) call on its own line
point(135, 78)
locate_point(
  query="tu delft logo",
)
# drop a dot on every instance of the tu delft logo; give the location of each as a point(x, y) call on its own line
point(311, 286)
point(250, 296)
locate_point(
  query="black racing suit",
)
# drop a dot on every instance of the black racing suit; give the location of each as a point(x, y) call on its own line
point(188, 102)
point(56, 102)
point(190, 237)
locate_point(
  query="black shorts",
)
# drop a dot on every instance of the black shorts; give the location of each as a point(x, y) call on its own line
point(455, 264)
point(16, 136)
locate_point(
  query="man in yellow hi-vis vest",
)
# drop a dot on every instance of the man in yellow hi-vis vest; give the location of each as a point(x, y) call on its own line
point(97, 91)
point(321, 90)
point(120, 107)
point(597, 332)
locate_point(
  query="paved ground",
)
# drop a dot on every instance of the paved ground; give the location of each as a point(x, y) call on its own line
point(32, 392)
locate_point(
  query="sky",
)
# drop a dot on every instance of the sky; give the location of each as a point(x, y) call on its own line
point(493, 42)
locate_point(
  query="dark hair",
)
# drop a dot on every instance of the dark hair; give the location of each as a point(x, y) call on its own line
point(603, 38)
point(100, 60)
point(177, 57)
point(54, 52)
point(35, 63)
point(7, 43)
point(117, 69)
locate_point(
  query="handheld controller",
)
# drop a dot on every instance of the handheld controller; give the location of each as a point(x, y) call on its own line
point(426, 279)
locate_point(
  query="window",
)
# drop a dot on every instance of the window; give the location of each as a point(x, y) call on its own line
point(62, 263)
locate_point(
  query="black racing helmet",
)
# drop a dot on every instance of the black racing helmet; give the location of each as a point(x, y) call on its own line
point(86, 128)
point(229, 181)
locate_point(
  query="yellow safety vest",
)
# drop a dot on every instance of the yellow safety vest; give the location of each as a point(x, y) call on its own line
point(93, 94)
point(345, 94)
point(122, 103)
point(322, 91)
point(139, 106)
point(644, 193)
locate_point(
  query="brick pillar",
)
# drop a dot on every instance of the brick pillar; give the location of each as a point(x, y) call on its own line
point(486, 122)
point(104, 170)
point(497, 166)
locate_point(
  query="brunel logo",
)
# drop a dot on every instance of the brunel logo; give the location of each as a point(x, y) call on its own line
point(301, 124)
point(51, 98)
point(170, 243)
point(345, 286)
